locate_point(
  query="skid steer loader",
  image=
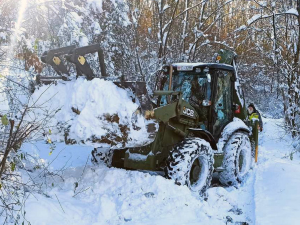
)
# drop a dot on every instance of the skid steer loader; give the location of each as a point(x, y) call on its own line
point(201, 113)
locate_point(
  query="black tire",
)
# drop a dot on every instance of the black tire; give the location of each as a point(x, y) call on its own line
point(237, 159)
point(100, 155)
point(191, 163)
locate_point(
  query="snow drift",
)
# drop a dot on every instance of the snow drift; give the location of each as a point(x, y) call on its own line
point(95, 112)
point(83, 194)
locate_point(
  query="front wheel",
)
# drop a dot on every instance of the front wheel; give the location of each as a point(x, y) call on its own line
point(191, 163)
point(237, 159)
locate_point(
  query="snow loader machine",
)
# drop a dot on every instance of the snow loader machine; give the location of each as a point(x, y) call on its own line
point(203, 127)
point(202, 117)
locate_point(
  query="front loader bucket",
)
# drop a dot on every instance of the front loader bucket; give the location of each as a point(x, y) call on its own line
point(139, 90)
point(139, 93)
point(77, 57)
point(55, 59)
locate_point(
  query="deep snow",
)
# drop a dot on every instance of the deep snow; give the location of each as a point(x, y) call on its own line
point(89, 111)
point(277, 183)
point(116, 196)
point(269, 195)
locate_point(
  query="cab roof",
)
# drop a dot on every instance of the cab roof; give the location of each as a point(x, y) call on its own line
point(191, 66)
point(221, 66)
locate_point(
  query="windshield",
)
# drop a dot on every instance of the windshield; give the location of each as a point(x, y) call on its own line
point(195, 87)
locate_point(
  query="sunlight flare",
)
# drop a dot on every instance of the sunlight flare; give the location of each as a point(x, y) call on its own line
point(17, 28)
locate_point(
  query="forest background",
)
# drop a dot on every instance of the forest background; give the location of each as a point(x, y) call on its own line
point(138, 37)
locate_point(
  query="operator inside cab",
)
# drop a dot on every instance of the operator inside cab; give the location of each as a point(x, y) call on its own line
point(196, 89)
point(195, 86)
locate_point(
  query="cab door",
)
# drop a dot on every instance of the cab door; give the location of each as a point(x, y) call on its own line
point(222, 112)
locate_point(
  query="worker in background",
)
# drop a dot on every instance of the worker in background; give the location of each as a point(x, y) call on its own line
point(253, 113)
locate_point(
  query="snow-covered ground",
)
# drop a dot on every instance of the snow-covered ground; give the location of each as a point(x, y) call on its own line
point(76, 192)
point(277, 183)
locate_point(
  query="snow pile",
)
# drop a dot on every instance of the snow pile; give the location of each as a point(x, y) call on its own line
point(96, 112)
point(75, 192)
point(112, 196)
point(277, 181)
point(277, 193)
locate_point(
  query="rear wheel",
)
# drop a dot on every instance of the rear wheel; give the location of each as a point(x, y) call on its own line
point(191, 163)
point(237, 159)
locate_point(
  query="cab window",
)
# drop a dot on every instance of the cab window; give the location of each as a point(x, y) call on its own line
point(223, 101)
point(195, 88)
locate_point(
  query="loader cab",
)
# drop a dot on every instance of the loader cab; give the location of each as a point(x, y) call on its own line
point(208, 88)
point(194, 85)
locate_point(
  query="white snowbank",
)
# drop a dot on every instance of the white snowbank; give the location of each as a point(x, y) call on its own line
point(269, 194)
point(277, 180)
point(277, 194)
point(111, 196)
point(89, 110)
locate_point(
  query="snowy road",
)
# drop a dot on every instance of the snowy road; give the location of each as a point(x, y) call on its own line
point(76, 192)
point(277, 183)
point(277, 194)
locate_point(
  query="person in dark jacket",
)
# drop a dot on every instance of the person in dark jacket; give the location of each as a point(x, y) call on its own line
point(251, 110)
